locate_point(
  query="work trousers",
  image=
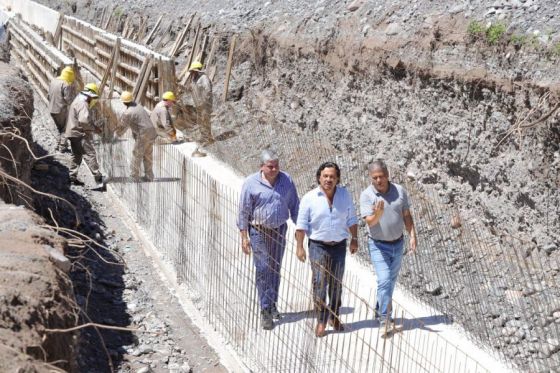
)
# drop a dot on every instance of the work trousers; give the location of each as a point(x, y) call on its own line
point(196, 122)
point(83, 149)
point(60, 121)
point(143, 152)
point(268, 245)
point(327, 265)
point(387, 259)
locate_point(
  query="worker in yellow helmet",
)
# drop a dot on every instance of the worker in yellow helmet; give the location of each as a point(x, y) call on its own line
point(61, 94)
point(200, 87)
point(138, 120)
point(161, 116)
point(80, 127)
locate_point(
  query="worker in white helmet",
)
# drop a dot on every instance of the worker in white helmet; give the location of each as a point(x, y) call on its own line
point(79, 131)
point(61, 94)
point(144, 133)
point(161, 116)
point(200, 86)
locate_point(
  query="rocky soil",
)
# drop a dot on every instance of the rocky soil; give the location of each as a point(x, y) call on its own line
point(441, 90)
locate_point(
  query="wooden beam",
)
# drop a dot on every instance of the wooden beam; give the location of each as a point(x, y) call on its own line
point(229, 65)
point(184, 75)
point(151, 34)
point(181, 37)
point(213, 48)
point(58, 33)
point(109, 65)
point(141, 91)
point(115, 66)
point(110, 18)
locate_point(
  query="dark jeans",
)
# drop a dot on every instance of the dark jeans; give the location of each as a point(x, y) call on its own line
point(268, 250)
point(327, 264)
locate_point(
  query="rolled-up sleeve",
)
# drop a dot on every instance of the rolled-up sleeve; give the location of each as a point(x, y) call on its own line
point(245, 208)
point(303, 215)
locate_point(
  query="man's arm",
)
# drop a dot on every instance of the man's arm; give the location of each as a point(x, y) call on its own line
point(245, 209)
point(354, 240)
point(293, 203)
point(300, 251)
point(409, 225)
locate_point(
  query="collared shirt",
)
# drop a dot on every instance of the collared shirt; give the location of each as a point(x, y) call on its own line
point(61, 95)
point(324, 223)
point(79, 119)
point(266, 205)
point(391, 224)
point(138, 120)
point(161, 118)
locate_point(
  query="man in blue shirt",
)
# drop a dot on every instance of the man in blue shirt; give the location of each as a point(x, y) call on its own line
point(268, 199)
point(385, 208)
point(328, 217)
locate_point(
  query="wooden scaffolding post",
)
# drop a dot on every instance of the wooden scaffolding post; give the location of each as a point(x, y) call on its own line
point(229, 65)
point(151, 34)
point(181, 37)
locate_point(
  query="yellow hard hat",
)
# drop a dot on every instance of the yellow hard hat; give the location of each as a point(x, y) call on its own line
point(92, 87)
point(126, 97)
point(67, 74)
point(195, 66)
point(168, 96)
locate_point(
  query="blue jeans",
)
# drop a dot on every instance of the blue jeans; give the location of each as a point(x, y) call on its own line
point(327, 265)
point(268, 250)
point(387, 259)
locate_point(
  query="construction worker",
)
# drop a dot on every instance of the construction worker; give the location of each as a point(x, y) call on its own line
point(201, 87)
point(79, 130)
point(161, 116)
point(61, 94)
point(137, 119)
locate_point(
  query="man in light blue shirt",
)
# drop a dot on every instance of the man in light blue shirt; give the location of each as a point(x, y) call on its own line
point(328, 217)
point(385, 208)
point(268, 199)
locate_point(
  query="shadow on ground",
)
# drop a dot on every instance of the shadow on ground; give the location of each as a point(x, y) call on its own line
point(98, 283)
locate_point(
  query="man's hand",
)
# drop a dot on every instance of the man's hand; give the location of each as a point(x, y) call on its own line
point(353, 246)
point(300, 252)
point(378, 207)
point(246, 246)
point(412, 244)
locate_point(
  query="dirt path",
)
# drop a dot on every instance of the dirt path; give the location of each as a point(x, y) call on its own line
point(130, 295)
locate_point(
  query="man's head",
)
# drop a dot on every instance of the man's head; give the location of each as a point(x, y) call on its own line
point(168, 98)
point(195, 67)
point(270, 167)
point(328, 176)
point(127, 98)
point(379, 175)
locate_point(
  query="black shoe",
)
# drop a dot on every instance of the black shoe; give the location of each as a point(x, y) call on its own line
point(266, 320)
point(147, 178)
point(274, 313)
point(76, 181)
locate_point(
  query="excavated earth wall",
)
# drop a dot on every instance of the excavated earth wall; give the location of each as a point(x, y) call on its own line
point(35, 291)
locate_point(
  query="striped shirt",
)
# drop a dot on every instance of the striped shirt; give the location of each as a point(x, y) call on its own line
point(266, 205)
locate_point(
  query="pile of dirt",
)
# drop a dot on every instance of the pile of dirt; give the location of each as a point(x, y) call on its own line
point(35, 295)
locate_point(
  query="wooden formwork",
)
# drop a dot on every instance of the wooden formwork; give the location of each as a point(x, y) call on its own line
point(41, 61)
point(130, 66)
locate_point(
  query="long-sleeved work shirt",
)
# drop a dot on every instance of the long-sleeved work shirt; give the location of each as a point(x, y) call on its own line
point(161, 119)
point(61, 95)
point(202, 92)
point(138, 120)
point(266, 205)
point(79, 118)
point(322, 222)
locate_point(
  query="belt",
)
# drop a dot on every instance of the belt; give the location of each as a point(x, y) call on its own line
point(264, 228)
point(389, 242)
point(328, 243)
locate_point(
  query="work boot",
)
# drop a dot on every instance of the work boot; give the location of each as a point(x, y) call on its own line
point(266, 320)
point(274, 312)
point(74, 180)
point(336, 324)
point(147, 178)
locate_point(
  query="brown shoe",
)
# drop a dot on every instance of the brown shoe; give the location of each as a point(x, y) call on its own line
point(336, 324)
point(320, 330)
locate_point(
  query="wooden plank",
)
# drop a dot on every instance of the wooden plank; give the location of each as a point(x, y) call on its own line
point(212, 53)
point(142, 28)
point(126, 51)
point(184, 75)
point(39, 65)
point(79, 50)
point(229, 65)
point(124, 65)
point(58, 32)
point(78, 35)
point(109, 66)
point(201, 52)
point(115, 66)
point(141, 92)
point(140, 77)
point(181, 37)
point(110, 18)
point(102, 16)
point(151, 34)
